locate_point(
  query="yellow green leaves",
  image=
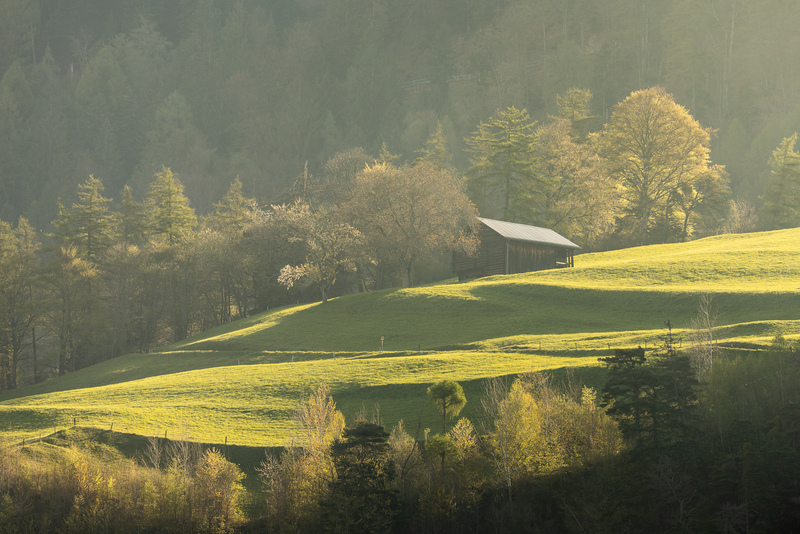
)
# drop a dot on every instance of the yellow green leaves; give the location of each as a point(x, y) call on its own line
point(654, 148)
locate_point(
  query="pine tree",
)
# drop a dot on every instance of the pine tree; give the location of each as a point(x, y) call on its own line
point(170, 215)
point(449, 396)
point(782, 200)
point(231, 212)
point(92, 220)
point(131, 219)
point(88, 224)
point(502, 163)
point(362, 497)
point(436, 153)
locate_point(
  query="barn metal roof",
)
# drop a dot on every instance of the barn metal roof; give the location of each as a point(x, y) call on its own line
point(532, 234)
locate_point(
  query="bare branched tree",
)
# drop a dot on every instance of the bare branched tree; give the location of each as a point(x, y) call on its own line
point(493, 422)
point(153, 452)
point(184, 454)
point(703, 347)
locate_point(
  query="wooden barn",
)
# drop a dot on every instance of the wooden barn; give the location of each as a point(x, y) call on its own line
point(508, 248)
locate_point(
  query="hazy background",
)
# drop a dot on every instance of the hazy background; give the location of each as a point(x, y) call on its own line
point(218, 89)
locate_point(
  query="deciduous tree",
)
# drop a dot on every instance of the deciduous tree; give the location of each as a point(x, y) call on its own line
point(575, 107)
point(338, 174)
point(703, 200)
point(71, 313)
point(222, 258)
point(653, 146)
point(21, 306)
point(411, 214)
point(579, 198)
point(331, 249)
point(271, 240)
point(298, 480)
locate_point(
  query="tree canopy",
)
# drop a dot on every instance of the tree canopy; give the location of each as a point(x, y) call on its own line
point(782, 198)
point(502, 165)
point(449, 396)
point(654, 147)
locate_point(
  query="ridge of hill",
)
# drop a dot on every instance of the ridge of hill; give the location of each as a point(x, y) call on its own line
point(240, 383)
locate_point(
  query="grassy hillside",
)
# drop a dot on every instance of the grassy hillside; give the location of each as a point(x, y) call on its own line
point(242, 382)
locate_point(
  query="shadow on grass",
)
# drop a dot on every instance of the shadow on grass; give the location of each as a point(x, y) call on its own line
point(409, 402)
point(25, 420)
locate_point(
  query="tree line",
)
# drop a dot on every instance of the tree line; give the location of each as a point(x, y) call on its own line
point(113, 277)
point(135, 273)
point(170, 486)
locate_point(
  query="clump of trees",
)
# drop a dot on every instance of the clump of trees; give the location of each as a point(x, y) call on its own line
point(133, 274)
point(215, 91)
point(362, 478)
point(782, 197)
point(656, 450)
point(644, 177)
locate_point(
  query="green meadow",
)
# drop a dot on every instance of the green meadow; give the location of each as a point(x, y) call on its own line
point(241, 383)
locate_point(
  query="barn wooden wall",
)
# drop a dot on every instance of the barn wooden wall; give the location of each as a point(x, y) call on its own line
point(522, 257)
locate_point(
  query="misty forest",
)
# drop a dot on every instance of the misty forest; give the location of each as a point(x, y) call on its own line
point(171, 167)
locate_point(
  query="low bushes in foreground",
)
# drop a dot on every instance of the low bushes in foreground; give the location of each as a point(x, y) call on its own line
point(81, 493)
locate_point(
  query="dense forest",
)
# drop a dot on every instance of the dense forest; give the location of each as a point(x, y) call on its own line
point(215, 90)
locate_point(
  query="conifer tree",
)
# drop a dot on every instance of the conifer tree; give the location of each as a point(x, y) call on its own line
point(449, 396)
point(131, 219)
point(231, 212)
point(92, 219)
point(782, 199)
point(170, 215)
point(88, 224)
point(436, 153)
point(502, 163)
point(362, 497)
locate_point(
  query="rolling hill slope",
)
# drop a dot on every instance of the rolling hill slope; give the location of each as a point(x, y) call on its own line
point(241, 382)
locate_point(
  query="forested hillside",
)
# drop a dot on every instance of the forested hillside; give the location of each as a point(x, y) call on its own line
point(167, 168)
point(215, 90)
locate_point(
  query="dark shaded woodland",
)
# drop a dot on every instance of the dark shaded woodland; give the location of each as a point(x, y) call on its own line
point(215, 90)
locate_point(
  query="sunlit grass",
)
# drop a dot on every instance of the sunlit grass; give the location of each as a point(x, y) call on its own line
point(253, 404)
point(243, 381)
